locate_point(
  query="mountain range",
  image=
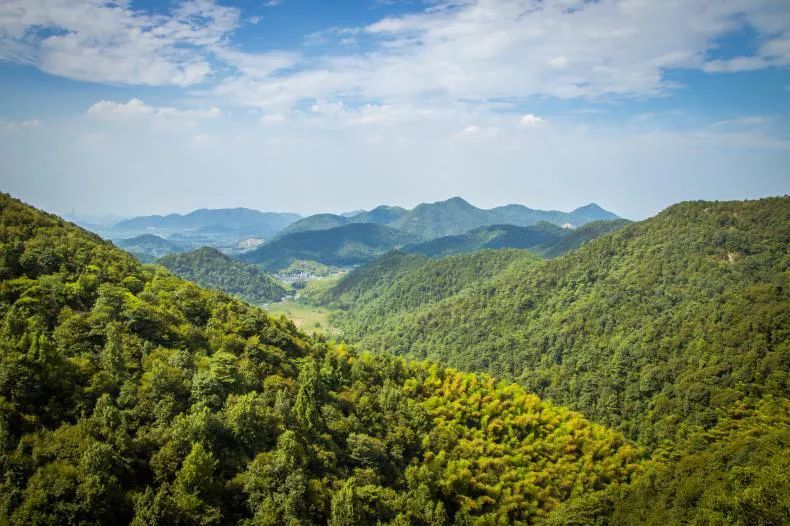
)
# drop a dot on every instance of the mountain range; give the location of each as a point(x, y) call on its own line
point(240, 220)
point(451, 217)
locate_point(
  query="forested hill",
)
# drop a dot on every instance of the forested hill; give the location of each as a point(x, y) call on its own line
point(147, 247)
point(371, 298)
point(211, 268)
point(497, 236)
point(577, 237)
point(660, 325)
point(342, 246)
point(542, 238)
point(130, 395)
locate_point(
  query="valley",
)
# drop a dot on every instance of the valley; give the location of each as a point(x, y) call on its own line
point(670, 334)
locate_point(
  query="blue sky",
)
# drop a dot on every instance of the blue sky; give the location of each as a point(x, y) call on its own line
point(137, 107)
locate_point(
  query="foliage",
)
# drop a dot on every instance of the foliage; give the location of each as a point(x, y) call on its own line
point(542, 238)
point(147, 247)
point(674, 330)
point(577, 237)
point(343, 246)
point(315, 222)
point(211, 268)
point(128, 395)
point(660, 323)
point(497, 236)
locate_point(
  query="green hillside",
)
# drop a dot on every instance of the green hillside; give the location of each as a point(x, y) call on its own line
point(211, 268)
point(674, 330)
point(497, 236)
point(373, 297)
point(342, 246)
point(662, 323)
point(147, 247)
point(315, 222)
point(382, 215)
point(573, 239)
point(130, 395)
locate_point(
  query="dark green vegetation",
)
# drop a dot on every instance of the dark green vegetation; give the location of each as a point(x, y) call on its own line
point(382, 215)
point(315, 222)
point(147, 247)
point(497, 236)
point(659, 323)
point(674, 330)
point(342, 246)
point(542, 238)
point(241, 220)
point(577, 237)
point(397, 284)
point(359, 243)
point(211, 268)
point(130, 395)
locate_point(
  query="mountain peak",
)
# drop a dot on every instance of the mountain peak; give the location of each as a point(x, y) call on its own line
point(591, 207)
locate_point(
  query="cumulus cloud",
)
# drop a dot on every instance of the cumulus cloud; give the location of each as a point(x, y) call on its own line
point(509, 50)
point(135, 108)
point(101, 41)
point(530, 120)
point(475, 132)
point(467, 50)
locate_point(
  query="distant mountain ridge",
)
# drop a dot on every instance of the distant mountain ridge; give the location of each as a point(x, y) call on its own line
point(359, 243)
point(147, 247)
point(346, 245)
point(239, 219)
point(453, 216)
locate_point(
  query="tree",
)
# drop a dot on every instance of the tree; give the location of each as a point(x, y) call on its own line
point(309, 395)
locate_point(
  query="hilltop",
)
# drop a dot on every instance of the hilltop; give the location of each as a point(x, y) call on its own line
point(211, 268)
point(346, 245)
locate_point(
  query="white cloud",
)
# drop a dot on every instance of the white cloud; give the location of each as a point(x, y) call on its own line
point(108, 41)
point(510, 50)
point(477, 132)
point(454, 51)
point(529, 120)
point(136, 108)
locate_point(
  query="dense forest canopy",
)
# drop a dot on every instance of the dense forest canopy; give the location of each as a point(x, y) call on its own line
point(347, 245)
point(130, 395)
point(211, 268)
point(658, 324)
point(674, 330)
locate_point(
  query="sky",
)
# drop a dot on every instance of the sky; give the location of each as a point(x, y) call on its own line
point(138, 107)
